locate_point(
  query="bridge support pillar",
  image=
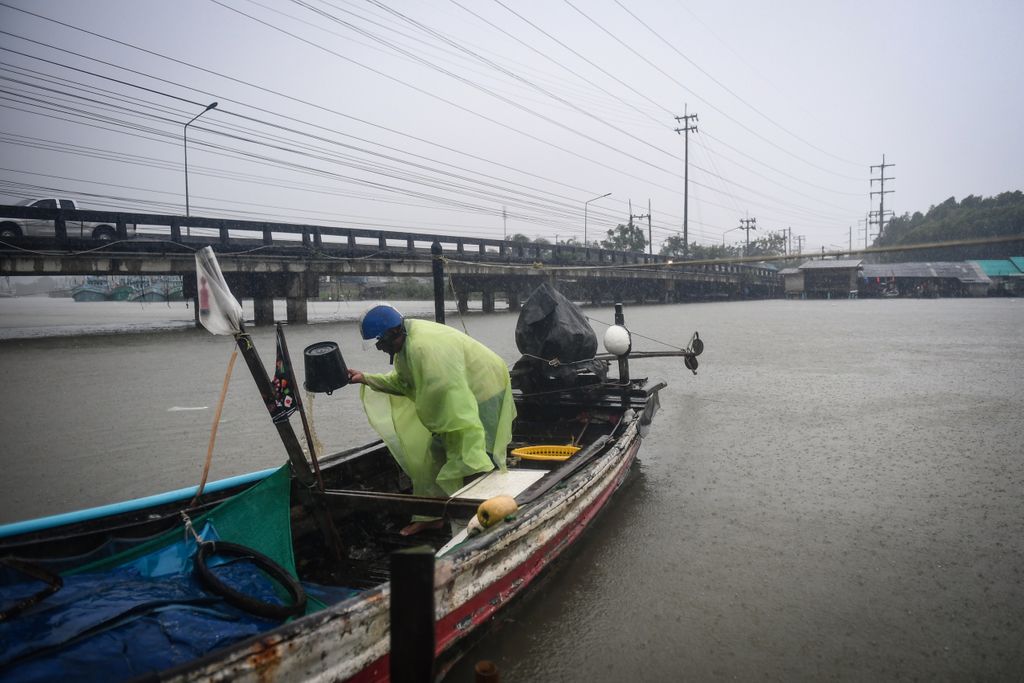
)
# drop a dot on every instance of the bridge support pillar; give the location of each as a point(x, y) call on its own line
point(263, 310)
point(297, 310)
point(669, 294)
point(512, 296)
point(487, 298)
point(462, 299)
point(298, 291)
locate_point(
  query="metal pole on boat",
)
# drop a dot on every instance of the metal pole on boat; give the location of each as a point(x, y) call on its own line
point(300, 468)
point(623, 360)
point(412, 615)
point(437, 268)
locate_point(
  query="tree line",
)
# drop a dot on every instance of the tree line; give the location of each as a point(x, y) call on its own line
point(971, 218)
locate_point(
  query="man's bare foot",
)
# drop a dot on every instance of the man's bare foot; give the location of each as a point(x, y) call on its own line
point(417, 527)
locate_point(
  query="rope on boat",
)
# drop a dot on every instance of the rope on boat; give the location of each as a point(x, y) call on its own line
point(455, 295)
point(213, 429)
point(555, 363)
point(317, 446)
point(637, 334)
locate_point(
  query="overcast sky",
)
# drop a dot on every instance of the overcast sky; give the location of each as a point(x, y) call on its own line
point(436, 116)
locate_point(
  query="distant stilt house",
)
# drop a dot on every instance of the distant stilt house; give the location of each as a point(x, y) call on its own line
point(1007, 276)
point(823, 279)
point(852, 278)
point(792, 282)
point(927, 279)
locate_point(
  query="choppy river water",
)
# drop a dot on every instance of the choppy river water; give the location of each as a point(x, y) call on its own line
point(838, 493)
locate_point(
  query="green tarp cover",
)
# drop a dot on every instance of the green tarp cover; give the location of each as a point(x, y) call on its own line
point(258, 518)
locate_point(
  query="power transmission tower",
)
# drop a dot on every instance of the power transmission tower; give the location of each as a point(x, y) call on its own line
point(748, 225)
point(687, 128)
point(881, 192)
point(650, 241)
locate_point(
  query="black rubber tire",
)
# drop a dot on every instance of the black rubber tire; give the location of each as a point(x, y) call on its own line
point(10, 230)
point(267, 610)
point(104, 233)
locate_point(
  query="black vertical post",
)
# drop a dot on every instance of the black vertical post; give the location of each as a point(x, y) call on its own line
point(412, 615)
point(623, 360)
point(437, 267)
point(60, 229)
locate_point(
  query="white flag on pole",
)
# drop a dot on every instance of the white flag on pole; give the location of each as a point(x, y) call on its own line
point(219, 311)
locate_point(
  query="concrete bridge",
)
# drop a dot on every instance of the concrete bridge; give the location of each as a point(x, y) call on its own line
point(267, 261)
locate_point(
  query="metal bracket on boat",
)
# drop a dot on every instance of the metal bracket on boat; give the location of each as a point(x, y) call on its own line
point(693, 349)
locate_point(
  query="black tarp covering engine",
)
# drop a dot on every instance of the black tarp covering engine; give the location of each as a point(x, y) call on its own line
point(557, 343)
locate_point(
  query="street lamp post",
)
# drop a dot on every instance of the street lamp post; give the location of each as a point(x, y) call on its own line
point(606, 194)
point(726, 232)
point(210, 106)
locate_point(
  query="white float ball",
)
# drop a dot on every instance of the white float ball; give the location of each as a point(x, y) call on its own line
point(617, 341)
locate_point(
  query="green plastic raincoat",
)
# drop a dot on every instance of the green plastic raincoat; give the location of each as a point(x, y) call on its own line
point(446, 409)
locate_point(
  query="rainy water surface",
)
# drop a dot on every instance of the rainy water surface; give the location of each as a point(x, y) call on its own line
point(836, 494)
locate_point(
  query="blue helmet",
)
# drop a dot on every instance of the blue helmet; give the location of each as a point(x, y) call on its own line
point(378, 320)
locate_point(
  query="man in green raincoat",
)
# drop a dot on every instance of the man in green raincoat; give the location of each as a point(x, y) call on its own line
point(445, 411)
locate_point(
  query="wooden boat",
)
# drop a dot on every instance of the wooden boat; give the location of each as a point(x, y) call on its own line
point(364, 500)
point(93, 289)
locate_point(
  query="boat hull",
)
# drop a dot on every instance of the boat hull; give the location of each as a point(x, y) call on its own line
point(350, 641)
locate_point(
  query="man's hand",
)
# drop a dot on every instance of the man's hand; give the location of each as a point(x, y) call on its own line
point(356, 377)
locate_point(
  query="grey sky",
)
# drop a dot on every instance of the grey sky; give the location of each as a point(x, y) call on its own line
point(433, 116)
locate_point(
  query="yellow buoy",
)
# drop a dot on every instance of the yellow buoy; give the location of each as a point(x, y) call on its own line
point(557, 453)
point(493, 510)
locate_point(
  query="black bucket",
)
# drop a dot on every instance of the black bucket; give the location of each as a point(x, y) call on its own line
point(325, 368)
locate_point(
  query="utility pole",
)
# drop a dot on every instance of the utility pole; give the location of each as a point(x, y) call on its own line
point(650, 238)
point(504, 224)
point(881, 192)
point(789, 243)
point(685, 119)
point(800, 243)
point(748, 225)
point(851, 239)
point(650, 245)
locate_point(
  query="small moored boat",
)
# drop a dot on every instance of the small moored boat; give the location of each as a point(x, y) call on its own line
point(285, 574)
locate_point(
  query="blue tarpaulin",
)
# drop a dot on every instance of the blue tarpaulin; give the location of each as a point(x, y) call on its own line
point(144, 610)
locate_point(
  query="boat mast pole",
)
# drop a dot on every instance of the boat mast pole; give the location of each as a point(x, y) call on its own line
point(303, 474)
point(284, 428)
point(437, 268)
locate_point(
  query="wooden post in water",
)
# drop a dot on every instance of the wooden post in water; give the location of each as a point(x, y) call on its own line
point(412, 615)
point(486, 671)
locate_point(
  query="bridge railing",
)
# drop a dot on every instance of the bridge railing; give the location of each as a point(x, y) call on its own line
point(151, 230)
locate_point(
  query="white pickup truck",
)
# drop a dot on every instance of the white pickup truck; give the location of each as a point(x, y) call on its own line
point(34, 227)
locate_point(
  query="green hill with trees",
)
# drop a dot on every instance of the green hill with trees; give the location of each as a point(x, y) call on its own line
point(971, 218)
